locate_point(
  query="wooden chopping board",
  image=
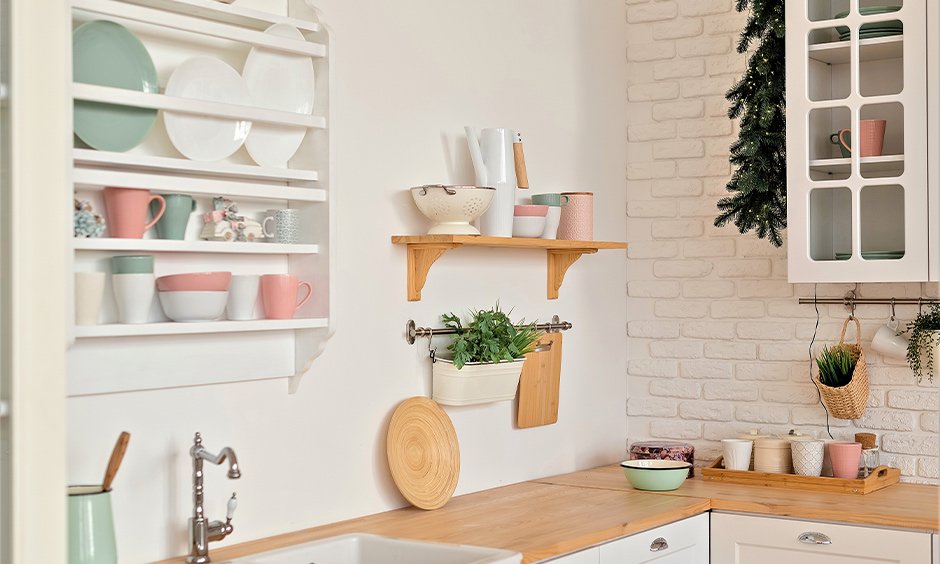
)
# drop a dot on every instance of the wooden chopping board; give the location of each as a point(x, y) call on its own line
point(539, 383)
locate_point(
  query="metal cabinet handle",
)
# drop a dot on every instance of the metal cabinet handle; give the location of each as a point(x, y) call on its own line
point(814, 538)
point(658, 544)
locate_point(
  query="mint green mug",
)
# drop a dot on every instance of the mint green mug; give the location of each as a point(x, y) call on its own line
point(550, 199)
point(172, 224)
point(91, 526)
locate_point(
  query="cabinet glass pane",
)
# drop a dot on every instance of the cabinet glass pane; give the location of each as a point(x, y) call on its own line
point(828, 158)
point(818, 10)
point(882, 222)
point(829, 71)
point(880, 54)
point(830, 224)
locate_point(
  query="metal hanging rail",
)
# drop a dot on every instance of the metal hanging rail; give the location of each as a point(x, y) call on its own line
point(412, 332)
point(850, 300)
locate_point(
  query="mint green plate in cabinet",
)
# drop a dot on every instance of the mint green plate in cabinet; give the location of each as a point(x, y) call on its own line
point(107, 54)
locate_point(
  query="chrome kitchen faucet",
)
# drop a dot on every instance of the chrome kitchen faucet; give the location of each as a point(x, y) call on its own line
point(202, 532)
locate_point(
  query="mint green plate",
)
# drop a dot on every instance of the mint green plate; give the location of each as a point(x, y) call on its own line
point(874, 255)
point(107, 54)
point(870, 11)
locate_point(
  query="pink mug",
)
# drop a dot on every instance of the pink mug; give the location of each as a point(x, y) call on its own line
point(845, 458)
point(577, 218)
point(279, 295)
point(871, 137)
point(127, 211)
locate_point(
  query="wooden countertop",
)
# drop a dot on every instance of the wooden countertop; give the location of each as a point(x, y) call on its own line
point(553, 516)
point(907, 506)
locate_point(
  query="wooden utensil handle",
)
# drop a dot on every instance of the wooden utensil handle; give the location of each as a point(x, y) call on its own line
point(117, 455)
point(522, 179)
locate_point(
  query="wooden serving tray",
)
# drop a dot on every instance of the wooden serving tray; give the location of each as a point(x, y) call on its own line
point(881, 477)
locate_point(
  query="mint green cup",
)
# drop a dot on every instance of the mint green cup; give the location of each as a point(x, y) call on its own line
point(172, 224)
point(550, 199)
point(655, 475)
point(132, 264)
point(91, 526)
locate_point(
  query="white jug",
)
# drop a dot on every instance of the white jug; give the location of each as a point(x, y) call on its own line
point(494, 166)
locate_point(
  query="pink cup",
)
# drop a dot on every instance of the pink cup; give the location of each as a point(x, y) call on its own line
point(872, 137)
point(845, 458)
point(127, 211)
point(577, 218)
point(279, 295)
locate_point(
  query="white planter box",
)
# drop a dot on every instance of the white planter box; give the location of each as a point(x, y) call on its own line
point(476, 382)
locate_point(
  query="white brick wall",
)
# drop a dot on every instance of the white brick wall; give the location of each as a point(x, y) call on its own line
point(718, 341)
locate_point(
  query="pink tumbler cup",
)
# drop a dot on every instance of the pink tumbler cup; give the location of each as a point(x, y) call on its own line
point(845, 459)
point(871, 137)
point(577, 218)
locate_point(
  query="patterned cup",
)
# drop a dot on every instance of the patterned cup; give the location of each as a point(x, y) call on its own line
point(282, 226)
point(577, 218)
point(808, 457)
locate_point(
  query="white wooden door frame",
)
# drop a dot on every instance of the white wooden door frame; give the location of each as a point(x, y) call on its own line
point(35, 227)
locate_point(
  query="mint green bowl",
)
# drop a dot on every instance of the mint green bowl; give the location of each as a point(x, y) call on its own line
point(655, 475)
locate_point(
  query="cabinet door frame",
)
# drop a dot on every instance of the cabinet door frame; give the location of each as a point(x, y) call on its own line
point(35, 263)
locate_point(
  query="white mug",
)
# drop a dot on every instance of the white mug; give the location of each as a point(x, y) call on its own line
point(89, 291)
point(133, 294)
point(285, 228)
point(242, 296)
point(552, 218)
point(736, 453)
point(888, 342)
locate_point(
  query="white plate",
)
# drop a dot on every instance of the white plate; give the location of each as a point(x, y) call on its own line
point(203, 138)
point(278, 81)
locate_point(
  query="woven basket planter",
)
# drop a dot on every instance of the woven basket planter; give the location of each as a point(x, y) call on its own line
point(848, 401)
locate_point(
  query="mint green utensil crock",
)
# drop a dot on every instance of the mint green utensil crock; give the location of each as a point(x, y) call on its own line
point(91, 526)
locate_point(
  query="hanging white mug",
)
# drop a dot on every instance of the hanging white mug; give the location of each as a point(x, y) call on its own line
point(888, 342)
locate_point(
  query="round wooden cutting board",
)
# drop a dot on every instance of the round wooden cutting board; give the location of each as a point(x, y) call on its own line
point(423, 453)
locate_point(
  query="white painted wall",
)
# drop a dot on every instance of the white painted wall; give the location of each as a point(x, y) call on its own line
point(408, 76)
point(718, 343)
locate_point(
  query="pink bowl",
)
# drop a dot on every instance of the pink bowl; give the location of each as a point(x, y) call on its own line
point(534, 210)
point(195, 282)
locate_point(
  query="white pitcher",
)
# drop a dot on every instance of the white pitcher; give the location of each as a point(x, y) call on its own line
point(494, 166)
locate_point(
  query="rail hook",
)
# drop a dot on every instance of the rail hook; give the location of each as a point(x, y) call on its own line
point(849, 302)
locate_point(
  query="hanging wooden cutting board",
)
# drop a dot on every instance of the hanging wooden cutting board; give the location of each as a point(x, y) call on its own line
point(539, 383)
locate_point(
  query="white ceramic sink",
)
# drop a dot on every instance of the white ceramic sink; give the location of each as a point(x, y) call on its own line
point(360, 548)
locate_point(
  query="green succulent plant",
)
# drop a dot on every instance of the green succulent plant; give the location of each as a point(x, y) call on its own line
point(836, 365)
point(922, 337)
point(490, 336)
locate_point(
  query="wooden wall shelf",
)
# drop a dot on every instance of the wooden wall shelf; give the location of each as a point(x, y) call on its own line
point(423, 250)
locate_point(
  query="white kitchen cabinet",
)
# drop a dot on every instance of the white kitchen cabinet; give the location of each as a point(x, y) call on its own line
point(587, 556)
point(744, 539)
point(862, 218)
point(682, 542)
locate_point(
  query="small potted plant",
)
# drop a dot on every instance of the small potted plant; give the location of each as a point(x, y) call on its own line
point(923, 341)
point(842, 379)
point(485, 359)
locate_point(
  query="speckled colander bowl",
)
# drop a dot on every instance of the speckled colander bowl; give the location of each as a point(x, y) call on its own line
point(655, 475)
point(452, 208)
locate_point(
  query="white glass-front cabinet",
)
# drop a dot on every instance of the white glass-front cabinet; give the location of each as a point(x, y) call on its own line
point(112, 357)
point(682, 542)
point(744, 539)
point(861, 141)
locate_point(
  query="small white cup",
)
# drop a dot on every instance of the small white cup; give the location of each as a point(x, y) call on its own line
point(242, 296)
point(133, 294)
point(808, 457)
point(736, 453)
point(888, 342)
point(89, 292)
point(552, 218)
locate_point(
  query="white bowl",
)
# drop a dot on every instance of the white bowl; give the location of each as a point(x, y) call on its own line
point(193, 306)
point(452, 208)
point(528, 225)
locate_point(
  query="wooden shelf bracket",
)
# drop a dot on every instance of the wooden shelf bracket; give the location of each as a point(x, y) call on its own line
point(420, 258)
point(559, 260)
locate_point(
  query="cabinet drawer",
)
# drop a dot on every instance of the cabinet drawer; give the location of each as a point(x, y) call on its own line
point(743, 539)
point(682, 542)
point(588, 556)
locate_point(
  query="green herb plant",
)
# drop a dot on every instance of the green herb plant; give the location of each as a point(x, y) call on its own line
point(922, 339)
point(836, 365)
point(489, 337)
